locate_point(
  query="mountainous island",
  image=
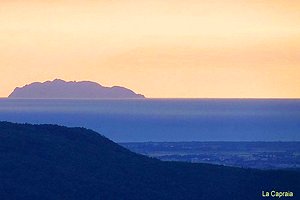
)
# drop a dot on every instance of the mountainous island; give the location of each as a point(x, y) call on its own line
point(56, 162)
point(71, 90)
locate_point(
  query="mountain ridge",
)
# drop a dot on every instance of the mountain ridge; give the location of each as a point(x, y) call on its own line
point(57, 162)
point(72, 90)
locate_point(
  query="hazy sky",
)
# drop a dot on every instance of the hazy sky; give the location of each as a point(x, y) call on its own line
point(167, 48)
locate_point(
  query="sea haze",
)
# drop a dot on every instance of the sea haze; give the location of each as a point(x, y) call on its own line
point(139, 120)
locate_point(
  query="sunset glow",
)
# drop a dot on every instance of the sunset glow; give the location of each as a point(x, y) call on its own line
point(162, 49)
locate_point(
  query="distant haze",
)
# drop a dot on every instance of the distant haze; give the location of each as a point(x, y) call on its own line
point(71, 90)
point(138, 120)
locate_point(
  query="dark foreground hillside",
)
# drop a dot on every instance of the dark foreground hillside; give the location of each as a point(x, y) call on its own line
point(54, 162)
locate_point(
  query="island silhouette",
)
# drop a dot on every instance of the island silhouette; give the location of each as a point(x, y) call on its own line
point(60, 89)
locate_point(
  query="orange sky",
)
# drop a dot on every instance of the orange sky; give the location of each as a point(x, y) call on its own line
point(166, 48)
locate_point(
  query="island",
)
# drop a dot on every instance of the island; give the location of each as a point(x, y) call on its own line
point(60, 89)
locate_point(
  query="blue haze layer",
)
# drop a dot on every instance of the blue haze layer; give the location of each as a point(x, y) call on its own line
point(165, 119)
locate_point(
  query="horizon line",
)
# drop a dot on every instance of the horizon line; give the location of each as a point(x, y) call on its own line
point(170, 98)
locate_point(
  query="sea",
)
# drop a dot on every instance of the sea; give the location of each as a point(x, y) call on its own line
point(165, 120)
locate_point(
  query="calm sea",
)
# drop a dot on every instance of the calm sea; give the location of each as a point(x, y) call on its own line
point(165, 119)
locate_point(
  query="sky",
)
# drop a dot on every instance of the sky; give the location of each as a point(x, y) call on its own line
point(162, 49)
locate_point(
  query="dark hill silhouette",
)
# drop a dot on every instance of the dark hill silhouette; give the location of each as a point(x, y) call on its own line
point(55, 162)
point(72, 89)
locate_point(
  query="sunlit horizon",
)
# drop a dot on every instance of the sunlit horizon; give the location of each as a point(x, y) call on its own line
point(161, 49)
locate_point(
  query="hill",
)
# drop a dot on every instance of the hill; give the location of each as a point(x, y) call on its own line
point(71, 90)
point(55, 162)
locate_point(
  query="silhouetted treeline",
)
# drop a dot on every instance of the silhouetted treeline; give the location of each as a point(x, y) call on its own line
point(55, 162)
